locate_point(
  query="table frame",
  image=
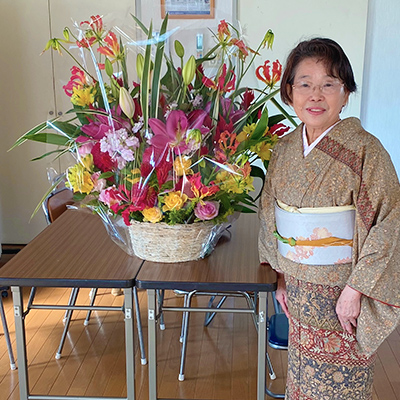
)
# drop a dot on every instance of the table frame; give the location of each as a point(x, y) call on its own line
point(262, 337)
point(20, 315)
point(57, 258)
point(233, 266)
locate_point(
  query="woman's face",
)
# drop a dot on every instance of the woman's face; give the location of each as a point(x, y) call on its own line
point(318, 98)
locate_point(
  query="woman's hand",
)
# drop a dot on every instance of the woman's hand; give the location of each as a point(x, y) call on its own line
point(281, 294)
point(348, 308)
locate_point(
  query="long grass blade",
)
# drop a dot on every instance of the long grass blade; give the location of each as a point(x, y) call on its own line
point(155, 87)
point(145, 84)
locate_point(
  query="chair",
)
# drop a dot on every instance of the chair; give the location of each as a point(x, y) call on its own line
point(251, 303)
point(53, 206)
point(56, 203)
point(278, 330)
point(4, 293)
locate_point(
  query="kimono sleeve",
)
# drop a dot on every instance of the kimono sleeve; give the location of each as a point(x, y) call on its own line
point(267, 246)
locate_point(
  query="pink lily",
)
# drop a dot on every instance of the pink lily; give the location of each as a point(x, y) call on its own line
point(174, 132)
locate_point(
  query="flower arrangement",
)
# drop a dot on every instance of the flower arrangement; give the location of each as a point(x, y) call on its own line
point(174, 145)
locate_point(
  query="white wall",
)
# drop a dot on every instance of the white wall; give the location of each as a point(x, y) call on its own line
point(380, 107)
point(293, 21)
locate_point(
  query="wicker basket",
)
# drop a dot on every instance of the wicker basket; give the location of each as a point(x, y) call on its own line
point(172, 243)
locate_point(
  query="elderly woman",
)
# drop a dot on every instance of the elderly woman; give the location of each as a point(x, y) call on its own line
point(330, 227)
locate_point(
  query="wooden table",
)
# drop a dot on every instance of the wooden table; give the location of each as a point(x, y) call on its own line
point(74, 251)
point(233, 266)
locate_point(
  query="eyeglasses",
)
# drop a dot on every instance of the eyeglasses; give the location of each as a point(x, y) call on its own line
point(327, 88)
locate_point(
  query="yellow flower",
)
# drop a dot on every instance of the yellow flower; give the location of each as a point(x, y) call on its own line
point(79, 179)
point(80, 175)
point(246, 132)
point(152, 215)
point(83, 96)
point(134, 177)
point(174, 201)
point(87, 162)
point(237, 181)
point(182, 166)
point(263, 150)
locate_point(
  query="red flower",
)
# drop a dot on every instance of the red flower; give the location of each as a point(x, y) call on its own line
point(112, 49)
point(223, 31)
point(78, 79)
point(200, 190)
point(278, 129)
point(152, 161)
point(248, 97)
point(243, 51)
point(102, 160)
point(266, 77)
point(93, 33)
point(137, 199)
point(221, 85)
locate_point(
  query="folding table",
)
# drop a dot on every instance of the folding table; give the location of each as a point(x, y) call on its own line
point(233, 266)
point(74, 251)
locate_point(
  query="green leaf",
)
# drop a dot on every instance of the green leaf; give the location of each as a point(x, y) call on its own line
point(65, 128)
point(155, 88)
point(47, 154)
point(257, 172)
point(123, 66)
point(283, 111)
point(38, 128)
point(52, 187)
point(261, 127)
point(142, 27)
point(50, 138)
point(79, 196)
point(256, 106)
point(145, 84)
point(275, 119)
point(243, 209)
point(106, 175)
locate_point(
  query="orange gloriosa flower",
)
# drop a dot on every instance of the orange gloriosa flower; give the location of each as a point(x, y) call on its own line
point(264, 75)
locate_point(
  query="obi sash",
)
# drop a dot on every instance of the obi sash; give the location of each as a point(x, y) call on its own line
point(319, 236)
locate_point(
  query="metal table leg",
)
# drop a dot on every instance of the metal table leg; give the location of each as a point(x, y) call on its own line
point(7, 335)
point(151, 294)
point(262, 341)
point(129, 344)
point(21, 342)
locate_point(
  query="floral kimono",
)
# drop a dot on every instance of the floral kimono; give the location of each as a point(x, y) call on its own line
point(348, 167)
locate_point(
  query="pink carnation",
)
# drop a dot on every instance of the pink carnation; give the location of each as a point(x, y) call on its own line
point(206, 210)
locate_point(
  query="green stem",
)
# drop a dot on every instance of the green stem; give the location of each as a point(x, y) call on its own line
point(283, 111)
point(79, 64)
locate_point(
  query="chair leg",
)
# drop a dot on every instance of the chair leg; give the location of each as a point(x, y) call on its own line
point(185, 326)
point(31, 297)
point(7, 335)
point(160, 301)
point(71, 295)
point(210, 315)
point(93, 293)
point(72, 301)
point(270, 368)
point(143, 358)
point(185, 300)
